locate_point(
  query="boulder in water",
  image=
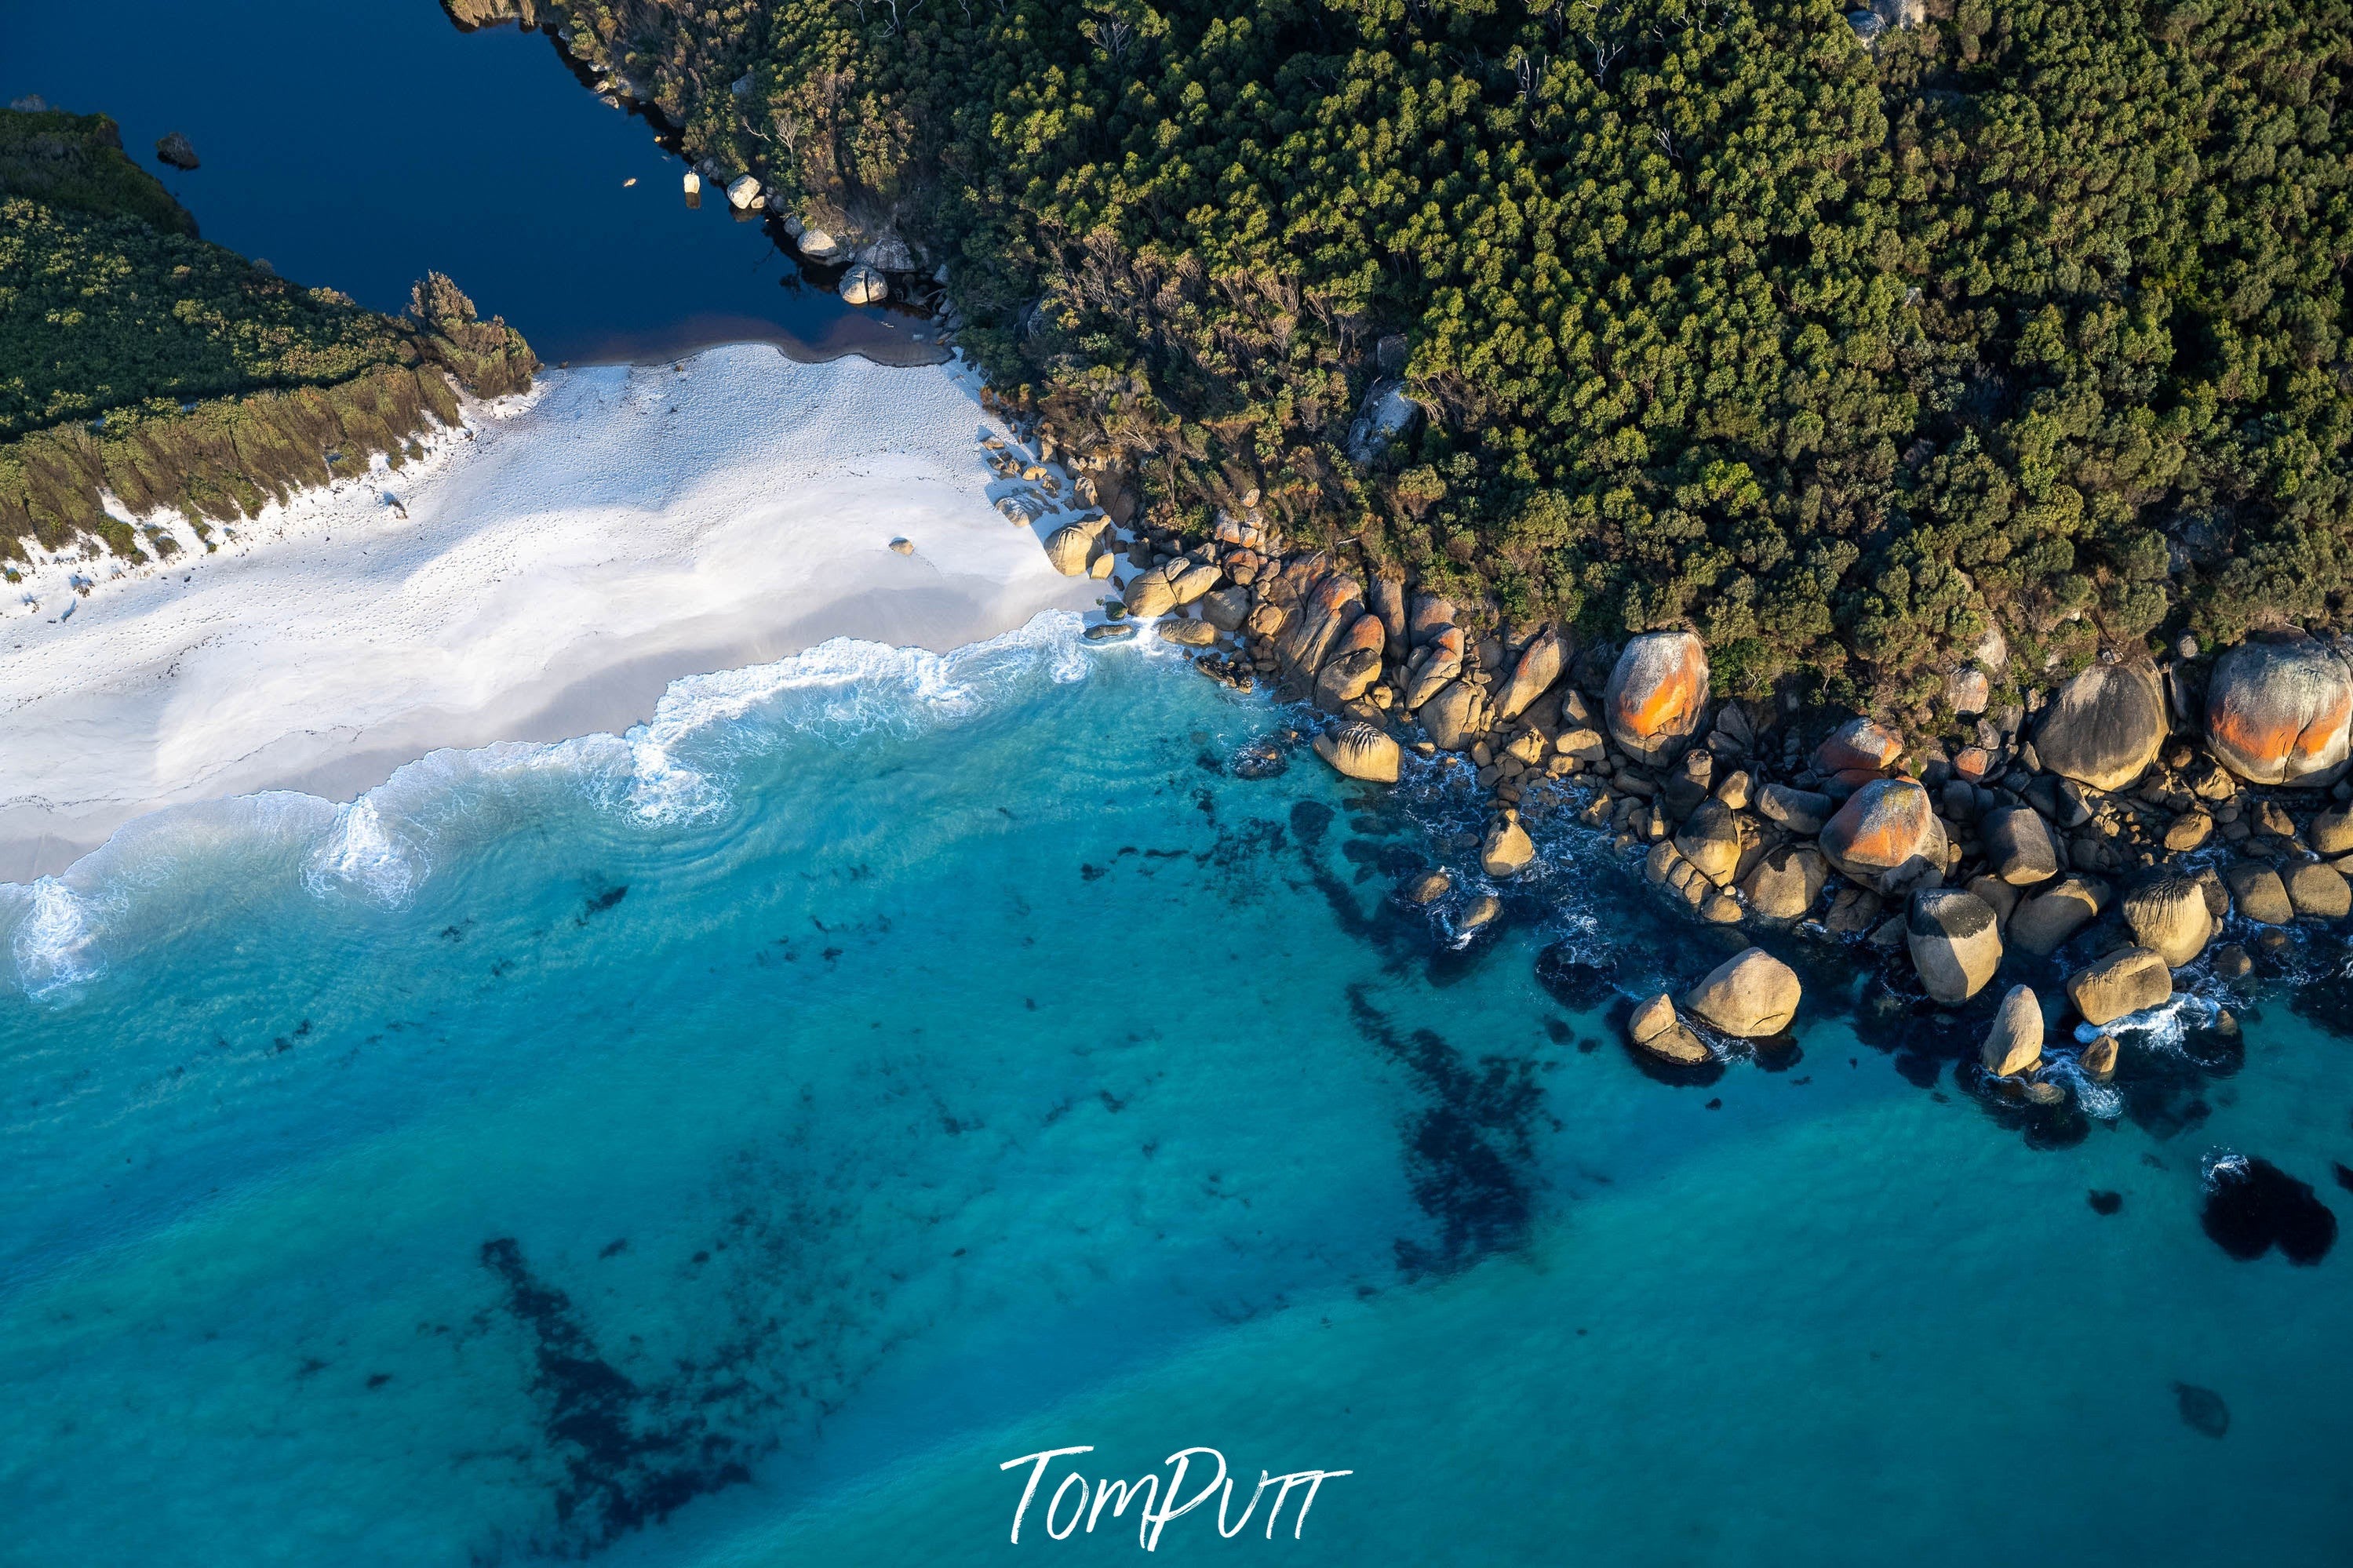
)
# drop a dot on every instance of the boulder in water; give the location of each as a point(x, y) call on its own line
point(2259, 894)
point(1657, 695)
point(1751, 995)
point(1655, 1028)
point(2014, 1043)
point(744, 194)
point(1507, 847)
point(2129, 980)
point(862, 285)
point(1362, 752)
point(175, 149)
point(1186, 634)
point(2320, 891)
point(2278, 712)
point(2104, 727)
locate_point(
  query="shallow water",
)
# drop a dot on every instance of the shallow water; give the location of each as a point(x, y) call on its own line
point(365, 142)
point(731, 1143)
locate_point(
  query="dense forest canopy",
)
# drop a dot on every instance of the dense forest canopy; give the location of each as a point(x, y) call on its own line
point(2028, 319)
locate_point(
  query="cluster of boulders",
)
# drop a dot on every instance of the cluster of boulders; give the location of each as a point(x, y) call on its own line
point(2129, 811)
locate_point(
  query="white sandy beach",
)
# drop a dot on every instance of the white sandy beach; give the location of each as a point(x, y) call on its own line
point(614, 530)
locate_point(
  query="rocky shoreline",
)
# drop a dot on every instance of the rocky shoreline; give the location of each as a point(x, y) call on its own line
point(2107, 826)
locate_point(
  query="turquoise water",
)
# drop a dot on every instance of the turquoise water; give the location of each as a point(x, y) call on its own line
point(730, 1143)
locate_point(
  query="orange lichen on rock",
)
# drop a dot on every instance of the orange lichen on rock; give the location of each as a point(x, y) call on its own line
point(2281, 712)
point(1859, 744)
point(1885, 826)
point(1657, 695)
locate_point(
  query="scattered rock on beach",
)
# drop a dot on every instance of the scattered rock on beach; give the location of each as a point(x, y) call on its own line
point(2018, 845)
point(1752, 994)
point(1070, 549)
point(902, 546)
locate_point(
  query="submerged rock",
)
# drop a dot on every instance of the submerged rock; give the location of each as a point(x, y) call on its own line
point(1751, 995)
point(2202, 1410)
point(2278, 712)
point(2252, 1206)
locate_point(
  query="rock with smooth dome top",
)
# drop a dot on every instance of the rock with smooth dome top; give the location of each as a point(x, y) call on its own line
point(2041, 925)
point(1148, 594)
point(1448, 716)
point(1657, 695)
point(2104, 727)
point(1955, 942)
point(2013, 1045)
point(1752, 994)
point(1786, 883)
point(2280, 712)
point(1887, 826)
point(2169, 916)
point(862, 285)
point(1070, 549)
point(1361, 751)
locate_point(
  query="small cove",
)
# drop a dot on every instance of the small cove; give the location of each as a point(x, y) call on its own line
point(361, 145)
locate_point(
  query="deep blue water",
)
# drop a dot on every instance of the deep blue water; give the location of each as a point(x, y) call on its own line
point(361, 143)
point(730, 1143)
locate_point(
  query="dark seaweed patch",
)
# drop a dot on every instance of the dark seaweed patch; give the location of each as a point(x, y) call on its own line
point(602, 899)
point(1578, 983)
point(2344, 1178)
point(2252, 1206)
point(2103, 1203)
point(1310, 819)
point(2202, 1410)
point(626, 1464)
point(1467, 1153)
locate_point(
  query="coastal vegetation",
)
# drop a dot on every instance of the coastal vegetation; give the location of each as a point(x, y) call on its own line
point(138, 361)
point(2006, 334)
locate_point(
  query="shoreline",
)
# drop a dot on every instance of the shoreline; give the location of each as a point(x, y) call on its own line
point(546, 572)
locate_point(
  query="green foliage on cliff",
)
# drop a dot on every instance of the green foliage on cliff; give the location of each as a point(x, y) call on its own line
point(2033, 317)
point(137, 358)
